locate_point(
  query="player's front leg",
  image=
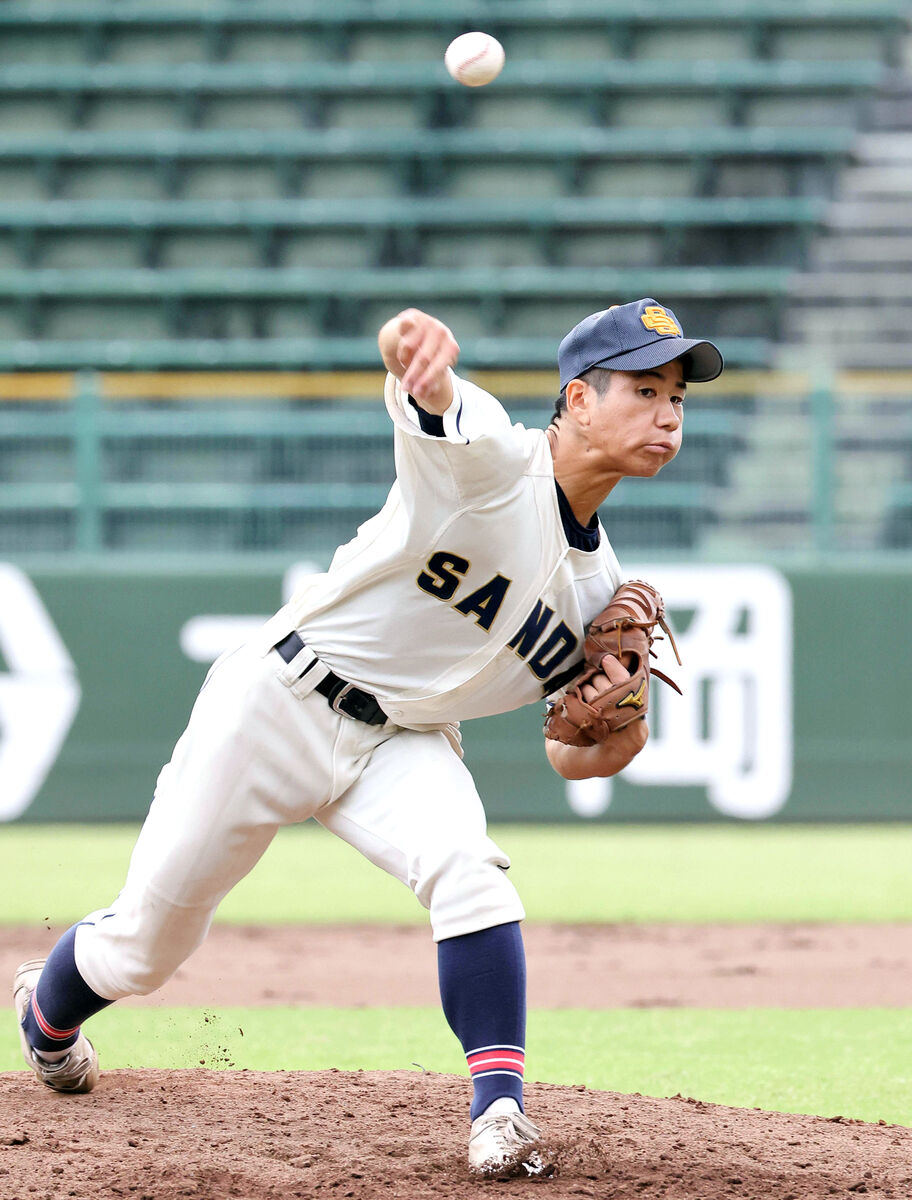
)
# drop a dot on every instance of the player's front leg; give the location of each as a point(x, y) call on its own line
point(416, 813)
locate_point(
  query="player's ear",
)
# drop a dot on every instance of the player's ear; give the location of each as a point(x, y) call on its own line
point(578, 392)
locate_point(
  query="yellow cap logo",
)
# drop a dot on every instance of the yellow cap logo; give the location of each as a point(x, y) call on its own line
point(658, 320)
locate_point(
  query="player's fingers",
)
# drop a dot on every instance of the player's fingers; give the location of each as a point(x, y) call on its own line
point(444, 356)
point(431, 360)
point(418, 346)
point(614, 669)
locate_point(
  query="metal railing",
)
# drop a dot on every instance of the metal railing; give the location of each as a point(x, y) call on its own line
point(774, 463)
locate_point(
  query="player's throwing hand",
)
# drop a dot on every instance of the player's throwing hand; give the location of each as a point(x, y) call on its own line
point(419, 350)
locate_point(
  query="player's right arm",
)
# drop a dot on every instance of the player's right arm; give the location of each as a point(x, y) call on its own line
point(420, 350)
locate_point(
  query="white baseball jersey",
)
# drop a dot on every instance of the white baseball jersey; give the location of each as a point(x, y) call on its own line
point(469, 592)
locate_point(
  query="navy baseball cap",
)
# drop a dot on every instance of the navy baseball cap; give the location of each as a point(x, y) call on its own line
point(635, 337)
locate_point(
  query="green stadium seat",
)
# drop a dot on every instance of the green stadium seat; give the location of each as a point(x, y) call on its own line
point(81, 250)
point(674, 42)
point(118, 320)
point(627, 248)
point(33, 460)
point(524, 111)
point(644, 178)
point(754, 178)
point(198, 88)
point(130, 45)
point(215, 303)
point(168, 459)
point(544, 318)
point(40, 42)
point(291, 320)
point(229, 181)
point(19, 185)
point(661, 111)
point(10, 256)
point(841, 43)
point(826, 111)
point(30, 114)
point(30, 532)
point(897, 523)
point(393, 44)
point(493, 250)
point(341, 180)
point(104, 180)
point(270, 45)
point(129, 113)
point(252, 112)
point(143, 530)
point(665, 518)
point(206, 250)
point(381, 112)
point(20, 351)
point(535, 181)
point(315, 249)
point(15, 321)
point(467, 318)
point(595, 41)
point(604, 161)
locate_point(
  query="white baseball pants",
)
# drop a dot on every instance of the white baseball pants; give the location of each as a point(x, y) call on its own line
point(260, 751)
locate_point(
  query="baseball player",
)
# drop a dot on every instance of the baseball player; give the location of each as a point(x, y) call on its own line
point(468, 594)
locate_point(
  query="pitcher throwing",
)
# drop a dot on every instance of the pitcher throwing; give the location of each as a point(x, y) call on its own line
point(468, 594)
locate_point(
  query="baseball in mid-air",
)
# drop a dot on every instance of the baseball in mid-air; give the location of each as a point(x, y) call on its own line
point(474, 59)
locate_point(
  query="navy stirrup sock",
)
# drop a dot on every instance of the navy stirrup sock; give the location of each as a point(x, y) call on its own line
point(483, 988)
point(61, 1001)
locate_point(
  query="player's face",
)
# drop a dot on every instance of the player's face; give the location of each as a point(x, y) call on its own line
point(637, 423)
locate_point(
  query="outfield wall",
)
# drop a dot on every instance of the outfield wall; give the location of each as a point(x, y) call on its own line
point(796, 702)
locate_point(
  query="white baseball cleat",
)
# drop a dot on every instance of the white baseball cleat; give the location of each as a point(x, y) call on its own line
point(499, 1138)
point(78, 1072)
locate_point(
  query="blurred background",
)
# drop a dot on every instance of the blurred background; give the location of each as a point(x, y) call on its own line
point(208, 209)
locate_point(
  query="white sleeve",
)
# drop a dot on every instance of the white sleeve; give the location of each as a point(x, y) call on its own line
point(471, 451)
point(473, 413)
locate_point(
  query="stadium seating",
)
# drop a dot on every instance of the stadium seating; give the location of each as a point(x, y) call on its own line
point(213, 184)
point(115, 120)
point(271, 476)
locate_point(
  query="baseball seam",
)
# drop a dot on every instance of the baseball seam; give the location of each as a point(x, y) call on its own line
point(475, 58)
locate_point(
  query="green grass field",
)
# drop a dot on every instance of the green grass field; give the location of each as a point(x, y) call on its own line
point(839, 1061)
point(564, 873)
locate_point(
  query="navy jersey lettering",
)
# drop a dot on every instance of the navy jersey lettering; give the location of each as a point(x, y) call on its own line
point(485, 601)
point(441, 575)
point(532, 629)
point(553, 650)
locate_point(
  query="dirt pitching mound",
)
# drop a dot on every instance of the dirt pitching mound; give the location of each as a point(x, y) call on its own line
point(209, 1135)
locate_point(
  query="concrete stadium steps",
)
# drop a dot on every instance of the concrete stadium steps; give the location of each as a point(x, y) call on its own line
point(855, 302)
point(869, 250)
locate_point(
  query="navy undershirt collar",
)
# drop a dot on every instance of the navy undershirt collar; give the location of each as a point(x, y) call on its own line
point(580, 537)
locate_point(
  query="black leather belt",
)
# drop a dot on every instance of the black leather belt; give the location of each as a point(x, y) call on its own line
point(343, 697)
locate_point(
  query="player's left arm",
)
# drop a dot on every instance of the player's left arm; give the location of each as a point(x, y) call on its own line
point(420, 350)
point(606, 757)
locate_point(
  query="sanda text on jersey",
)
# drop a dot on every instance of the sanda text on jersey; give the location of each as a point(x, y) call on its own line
point(441, 577)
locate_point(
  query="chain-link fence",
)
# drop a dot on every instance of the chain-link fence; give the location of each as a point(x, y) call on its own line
point(773, 464)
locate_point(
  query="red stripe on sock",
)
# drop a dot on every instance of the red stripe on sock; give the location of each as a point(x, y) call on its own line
point(47, 1029)
point(492, 1060)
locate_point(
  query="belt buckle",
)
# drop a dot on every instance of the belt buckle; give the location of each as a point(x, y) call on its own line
point(336, 703)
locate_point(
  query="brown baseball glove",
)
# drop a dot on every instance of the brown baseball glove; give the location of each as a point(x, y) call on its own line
point(625, 630)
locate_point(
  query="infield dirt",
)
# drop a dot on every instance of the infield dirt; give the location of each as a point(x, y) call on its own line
point(209, 1135)
point(569, 966)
